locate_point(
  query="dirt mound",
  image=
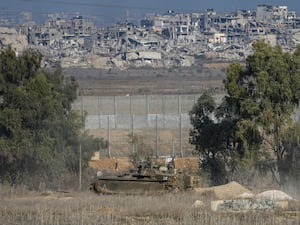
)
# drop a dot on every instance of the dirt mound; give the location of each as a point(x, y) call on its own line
point(187, 164)
point(226, 191)
point(274, 195)
point(111, 164)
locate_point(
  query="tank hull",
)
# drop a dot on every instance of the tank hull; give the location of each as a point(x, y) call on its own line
point(144, 181)
point(129, 186)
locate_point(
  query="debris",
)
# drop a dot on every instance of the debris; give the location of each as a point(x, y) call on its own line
point(246, 205)
point(198, 204)
point(227, 191)
point(266, 201)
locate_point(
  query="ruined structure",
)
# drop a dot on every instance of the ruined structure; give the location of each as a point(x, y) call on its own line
point(168, 40)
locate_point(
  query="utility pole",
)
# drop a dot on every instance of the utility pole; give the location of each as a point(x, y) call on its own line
point(108, 136)
point(180, 134)
point(80, 166)
point(173, 149)
point(132, 135)
point(80, 151)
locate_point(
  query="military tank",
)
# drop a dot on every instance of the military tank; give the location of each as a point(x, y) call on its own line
point(145, 179)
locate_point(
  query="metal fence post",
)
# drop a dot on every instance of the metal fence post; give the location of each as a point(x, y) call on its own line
point(147, 105)
point(115, 111)
point(108, 137)
point(180, 135)
point(132, 135)
point(156, 136)
point(99, 112)
point(179, 104)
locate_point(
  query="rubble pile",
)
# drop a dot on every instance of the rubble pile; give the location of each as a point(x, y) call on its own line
point(10, 37)
point(236, 198)
point(244, 205)
point(161, 40)
point(265, 201)
point(247, 205)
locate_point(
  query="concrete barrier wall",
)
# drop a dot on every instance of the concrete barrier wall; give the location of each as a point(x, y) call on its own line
point(137, 111)
point(162, 120)
point(137, 121)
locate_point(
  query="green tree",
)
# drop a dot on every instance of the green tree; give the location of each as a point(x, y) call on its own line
point(264, 94)
point(213, 136)
point(261, 97)
point(39, 132)
point(141, 153)
point(291, 160)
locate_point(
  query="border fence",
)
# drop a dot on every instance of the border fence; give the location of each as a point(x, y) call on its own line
point(161, 121)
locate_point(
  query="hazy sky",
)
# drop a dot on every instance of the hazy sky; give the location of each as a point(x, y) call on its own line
point(112, 10)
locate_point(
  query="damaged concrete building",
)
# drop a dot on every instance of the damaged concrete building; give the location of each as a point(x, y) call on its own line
point(161, 40)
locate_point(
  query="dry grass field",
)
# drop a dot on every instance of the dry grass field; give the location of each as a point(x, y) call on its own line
point(142, 81)
point(57, 208)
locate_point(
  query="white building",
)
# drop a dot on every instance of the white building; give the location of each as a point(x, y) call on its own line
point(268, 13)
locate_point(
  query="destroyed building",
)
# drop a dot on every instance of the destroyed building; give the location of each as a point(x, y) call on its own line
point(161, 40)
